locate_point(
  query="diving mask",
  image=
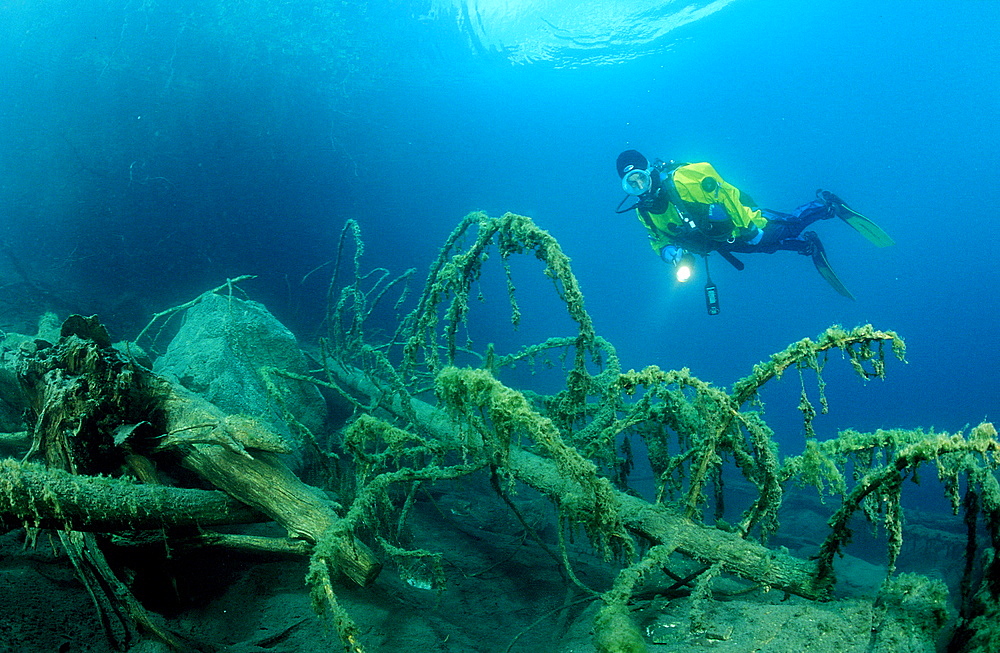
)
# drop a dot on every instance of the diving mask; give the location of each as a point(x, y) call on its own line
point(636, 181)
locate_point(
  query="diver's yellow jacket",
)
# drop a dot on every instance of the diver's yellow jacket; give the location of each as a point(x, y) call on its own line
point(698, 186)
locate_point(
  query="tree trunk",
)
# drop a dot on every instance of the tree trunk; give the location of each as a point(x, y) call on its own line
point(654, 522)
point(262, 480)
point(51, 498)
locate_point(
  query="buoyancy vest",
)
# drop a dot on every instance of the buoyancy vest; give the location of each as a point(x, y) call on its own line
point(695, 187)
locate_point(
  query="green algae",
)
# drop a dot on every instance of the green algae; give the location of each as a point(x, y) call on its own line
point(577, 445)
point(691, 429)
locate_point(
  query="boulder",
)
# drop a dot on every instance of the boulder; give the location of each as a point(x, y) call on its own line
point(12, 399)
point(218, 353)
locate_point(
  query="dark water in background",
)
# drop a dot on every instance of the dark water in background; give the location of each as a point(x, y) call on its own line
point(149, 150)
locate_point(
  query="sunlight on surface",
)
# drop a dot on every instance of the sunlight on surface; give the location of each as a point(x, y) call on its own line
point(559, 32)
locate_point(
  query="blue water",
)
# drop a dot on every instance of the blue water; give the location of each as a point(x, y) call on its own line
point(148, 151)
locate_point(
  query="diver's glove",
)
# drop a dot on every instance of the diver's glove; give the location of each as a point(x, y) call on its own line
point(672, 254)
point(683, 261)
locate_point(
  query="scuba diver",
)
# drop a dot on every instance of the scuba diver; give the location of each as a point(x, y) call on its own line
point(689, 210)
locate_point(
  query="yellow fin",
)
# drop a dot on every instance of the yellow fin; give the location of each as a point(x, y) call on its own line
point(826, 271)
point(866, 228)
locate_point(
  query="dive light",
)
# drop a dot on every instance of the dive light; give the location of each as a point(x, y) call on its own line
point(684, 267)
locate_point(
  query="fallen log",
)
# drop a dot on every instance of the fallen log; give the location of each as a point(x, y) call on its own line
point(655, 523)
point(99, 413)
point(42, 497)
point(659, 524)
point(227, 453)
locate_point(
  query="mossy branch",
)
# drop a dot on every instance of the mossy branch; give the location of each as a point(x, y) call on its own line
point(511, 418)
point(170, 312)
point(864, 346)
point(449, 284)
point(712, 422)
point(953, 454)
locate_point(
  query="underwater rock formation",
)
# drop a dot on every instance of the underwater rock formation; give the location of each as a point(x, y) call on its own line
point(218, 351)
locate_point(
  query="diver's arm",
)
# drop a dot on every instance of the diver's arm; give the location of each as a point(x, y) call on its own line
point(658, 239)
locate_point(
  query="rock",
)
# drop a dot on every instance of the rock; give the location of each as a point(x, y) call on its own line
point(219, 351)
point(12, 399)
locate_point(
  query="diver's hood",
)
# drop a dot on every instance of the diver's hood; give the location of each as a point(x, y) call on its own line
point(630, 158)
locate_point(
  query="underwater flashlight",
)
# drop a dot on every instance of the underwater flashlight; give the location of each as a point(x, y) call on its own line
point(636, 181)
point(684, 268)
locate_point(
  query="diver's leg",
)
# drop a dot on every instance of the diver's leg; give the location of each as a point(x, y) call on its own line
point(810, 212)
point(783, 230)
point(780, 228)
point(837, 205)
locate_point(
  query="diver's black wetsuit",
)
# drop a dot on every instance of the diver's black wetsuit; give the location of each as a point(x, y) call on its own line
point(783, 230)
